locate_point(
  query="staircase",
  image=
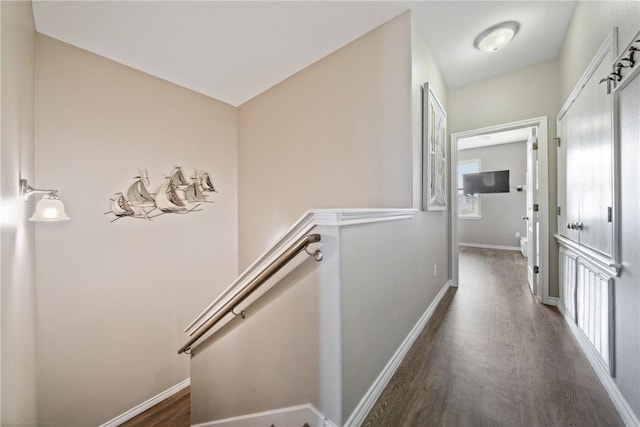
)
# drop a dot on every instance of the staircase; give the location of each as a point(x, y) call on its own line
point(316, 343)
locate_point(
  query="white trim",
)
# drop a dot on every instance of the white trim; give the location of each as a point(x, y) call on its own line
point(552, 301)
point(292, 415)
point(483, 246)
point(543, 195)
point(453, 211)
point(599, 262)
point(469, 216)
point(371, 396)
point(626, 413)
point(133, 412)
point(311, 219)
point(483, 144)
point(345, 217)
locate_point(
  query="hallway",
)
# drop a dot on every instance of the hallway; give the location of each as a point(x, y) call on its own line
point(493, 356)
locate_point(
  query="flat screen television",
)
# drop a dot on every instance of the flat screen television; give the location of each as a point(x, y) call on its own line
point(485, 182)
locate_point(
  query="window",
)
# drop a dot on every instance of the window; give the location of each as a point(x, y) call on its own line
point(468, 205)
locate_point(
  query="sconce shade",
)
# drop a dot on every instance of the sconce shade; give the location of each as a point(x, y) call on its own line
point(49, 208)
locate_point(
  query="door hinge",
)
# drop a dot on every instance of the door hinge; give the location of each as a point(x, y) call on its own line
point(557, 139)
point(536, 269)
point(536, 207)
point(609, 214)
point(535, 145)
point(559, 210)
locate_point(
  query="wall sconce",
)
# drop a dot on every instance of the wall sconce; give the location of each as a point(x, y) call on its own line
point(49, 208)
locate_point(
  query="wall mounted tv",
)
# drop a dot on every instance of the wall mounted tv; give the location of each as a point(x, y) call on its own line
point(485, 182)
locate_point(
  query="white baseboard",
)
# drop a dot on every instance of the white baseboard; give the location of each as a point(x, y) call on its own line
point(366, 403)
point(290, 416)
point(120, 419)
point(552, 301)
point(483, 246)
point(626, 413)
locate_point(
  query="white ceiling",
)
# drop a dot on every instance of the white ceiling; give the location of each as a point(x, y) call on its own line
point(234, 50)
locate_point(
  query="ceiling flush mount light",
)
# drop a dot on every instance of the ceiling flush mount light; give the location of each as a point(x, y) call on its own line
point(49, 208)
point(495, 38)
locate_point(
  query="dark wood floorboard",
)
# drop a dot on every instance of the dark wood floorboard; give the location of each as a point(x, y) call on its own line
point(492, 356)
point(172, 412)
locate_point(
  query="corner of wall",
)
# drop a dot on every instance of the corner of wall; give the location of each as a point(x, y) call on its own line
point(18, 298)
point(423, 69)
point(335, 135)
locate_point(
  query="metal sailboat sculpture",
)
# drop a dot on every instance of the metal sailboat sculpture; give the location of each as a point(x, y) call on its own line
point(205, 181)
point(120, 206)
point(138, 193)
point(175, 195)
point(167, 199)
point(194, 192)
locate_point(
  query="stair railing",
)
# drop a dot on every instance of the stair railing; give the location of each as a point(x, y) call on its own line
point(264, 275)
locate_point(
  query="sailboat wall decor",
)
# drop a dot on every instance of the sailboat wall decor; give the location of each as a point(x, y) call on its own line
point(176, 194)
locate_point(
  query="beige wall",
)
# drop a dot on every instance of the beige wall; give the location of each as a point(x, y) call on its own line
point(591, 23)
point(115, 297)
point(335, 135)
point(523, 94)
point(18, 308)
point(270, 359)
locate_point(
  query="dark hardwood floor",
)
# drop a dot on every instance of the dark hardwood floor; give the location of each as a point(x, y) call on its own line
point(492, 356)
point(172, 412)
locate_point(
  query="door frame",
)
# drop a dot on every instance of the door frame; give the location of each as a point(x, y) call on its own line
point(543, 197)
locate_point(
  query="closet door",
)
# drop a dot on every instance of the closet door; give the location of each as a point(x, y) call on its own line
point(585, 161)
point(569, 167)
point(594, 163)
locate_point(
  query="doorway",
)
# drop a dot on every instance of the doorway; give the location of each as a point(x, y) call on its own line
point(536, 187)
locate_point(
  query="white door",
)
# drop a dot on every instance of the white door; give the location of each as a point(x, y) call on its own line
point(532, 215)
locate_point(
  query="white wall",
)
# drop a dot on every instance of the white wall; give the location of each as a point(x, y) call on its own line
point(591, 23)
point(18, 296)
point(501, 212)
point(387, 283)
point(523, 94)
point(115, 297)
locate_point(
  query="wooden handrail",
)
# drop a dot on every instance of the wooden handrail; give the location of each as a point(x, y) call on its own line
point(264, 275)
